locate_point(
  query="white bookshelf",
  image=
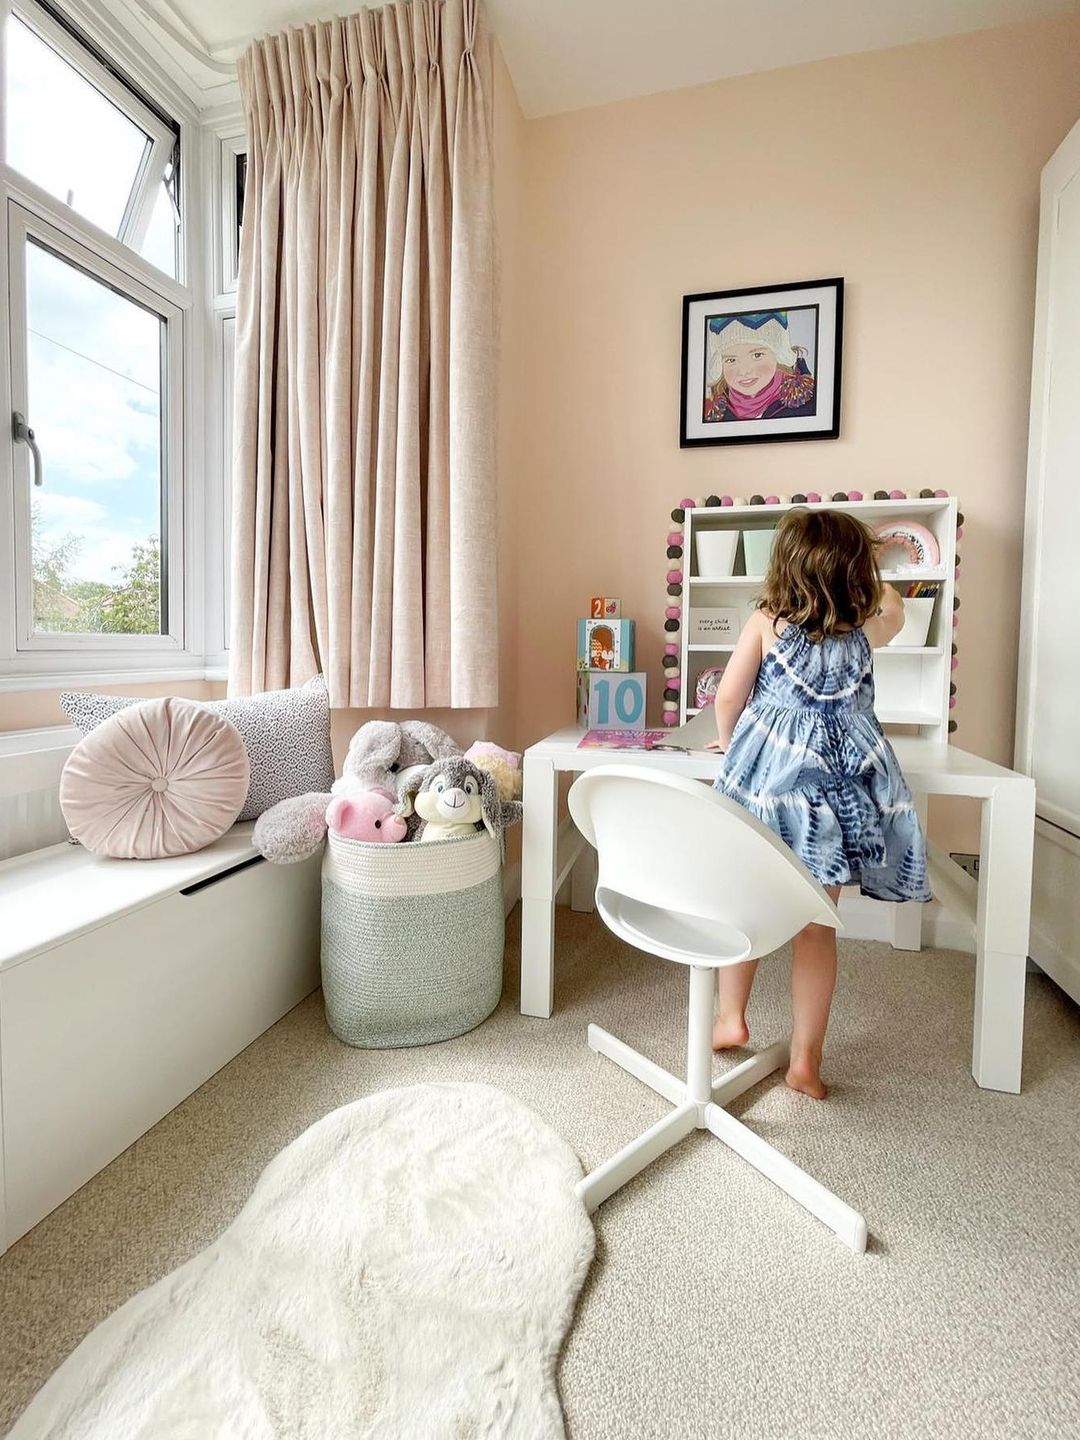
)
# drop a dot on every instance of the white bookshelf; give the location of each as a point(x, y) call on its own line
point(912, 682)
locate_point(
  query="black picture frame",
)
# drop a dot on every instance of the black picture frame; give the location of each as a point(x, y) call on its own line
point(706, 416)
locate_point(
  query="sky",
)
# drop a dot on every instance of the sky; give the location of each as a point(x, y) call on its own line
point(93, 356)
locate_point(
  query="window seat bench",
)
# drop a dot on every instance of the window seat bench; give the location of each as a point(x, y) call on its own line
point(124, 985)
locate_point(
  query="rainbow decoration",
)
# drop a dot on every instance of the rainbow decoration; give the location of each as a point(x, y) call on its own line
point(672, 678)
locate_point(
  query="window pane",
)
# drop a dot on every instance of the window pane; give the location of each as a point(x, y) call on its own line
point(65, 135)
point(95, 378)
point(159, 247)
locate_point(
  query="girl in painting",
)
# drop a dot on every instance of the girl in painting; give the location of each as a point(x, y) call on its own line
point(754, 371)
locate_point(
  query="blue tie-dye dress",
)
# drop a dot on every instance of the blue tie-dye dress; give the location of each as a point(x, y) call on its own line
point(808, 757)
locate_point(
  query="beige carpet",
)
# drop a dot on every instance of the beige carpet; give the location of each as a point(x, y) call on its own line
point(715, 1307)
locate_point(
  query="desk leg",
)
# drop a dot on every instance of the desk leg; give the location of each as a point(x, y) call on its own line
point(1002, 924)
point(583, 881)
point(907, 919)
point(538, 861)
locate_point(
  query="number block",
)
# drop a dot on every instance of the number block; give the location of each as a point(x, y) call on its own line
point(605, 645)
point(611, 700)
point(605, 607)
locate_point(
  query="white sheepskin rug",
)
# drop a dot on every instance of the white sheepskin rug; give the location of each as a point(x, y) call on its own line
point(407, 1268)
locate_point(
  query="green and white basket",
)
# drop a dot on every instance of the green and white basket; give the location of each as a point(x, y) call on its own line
point(412, 939)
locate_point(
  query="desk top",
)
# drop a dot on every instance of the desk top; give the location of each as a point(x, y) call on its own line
point(929, 767)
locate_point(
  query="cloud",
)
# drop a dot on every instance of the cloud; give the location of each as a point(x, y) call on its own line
point(67, 512)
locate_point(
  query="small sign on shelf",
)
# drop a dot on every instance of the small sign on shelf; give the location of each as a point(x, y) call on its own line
point(714, 625)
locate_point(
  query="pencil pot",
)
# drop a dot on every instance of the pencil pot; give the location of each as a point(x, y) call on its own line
point(757, 547)
point(412, 939)
point(716, 552)
point(917, 616)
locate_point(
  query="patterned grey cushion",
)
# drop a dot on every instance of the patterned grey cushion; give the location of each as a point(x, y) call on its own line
point(286, 734)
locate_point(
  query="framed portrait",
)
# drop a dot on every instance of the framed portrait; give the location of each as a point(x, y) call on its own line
point(762, 364)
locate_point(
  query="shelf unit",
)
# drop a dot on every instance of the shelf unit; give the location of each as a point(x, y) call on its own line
point(912, 682)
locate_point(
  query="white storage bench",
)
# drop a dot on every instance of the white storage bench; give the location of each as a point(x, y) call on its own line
point(124, 985)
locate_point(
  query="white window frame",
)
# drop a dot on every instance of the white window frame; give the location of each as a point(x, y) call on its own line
point(136, 219)
point(230, 148)
point(180, 654)
point(24, 227)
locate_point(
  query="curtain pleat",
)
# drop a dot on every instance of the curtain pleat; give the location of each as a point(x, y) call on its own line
point(364, 470)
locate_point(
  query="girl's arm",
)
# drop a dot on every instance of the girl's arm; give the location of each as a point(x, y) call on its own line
point(881, 628)
point(738, 680)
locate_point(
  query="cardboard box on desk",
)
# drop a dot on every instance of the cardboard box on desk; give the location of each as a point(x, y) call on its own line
point(605, 645)
point(608, 700)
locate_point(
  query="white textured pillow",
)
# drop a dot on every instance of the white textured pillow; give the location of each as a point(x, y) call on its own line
point(162, 777)
point(286, 734)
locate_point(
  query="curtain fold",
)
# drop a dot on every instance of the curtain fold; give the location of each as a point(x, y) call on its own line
point(364, 529)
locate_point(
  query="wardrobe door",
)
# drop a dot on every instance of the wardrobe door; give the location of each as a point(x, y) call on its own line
point(1048, 694)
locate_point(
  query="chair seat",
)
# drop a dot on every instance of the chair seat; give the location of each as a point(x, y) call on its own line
point(686, 939)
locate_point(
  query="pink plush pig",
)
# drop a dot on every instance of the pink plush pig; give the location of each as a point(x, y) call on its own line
point(366, 815)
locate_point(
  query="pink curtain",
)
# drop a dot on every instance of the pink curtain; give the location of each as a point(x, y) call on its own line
point(364, 473)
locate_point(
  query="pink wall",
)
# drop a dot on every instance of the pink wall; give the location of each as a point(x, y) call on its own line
point(912, 172)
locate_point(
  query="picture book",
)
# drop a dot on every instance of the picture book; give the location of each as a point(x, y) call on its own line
point(628, 740)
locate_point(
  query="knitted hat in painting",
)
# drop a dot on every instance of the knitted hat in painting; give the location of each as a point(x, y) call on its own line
point(768, 328)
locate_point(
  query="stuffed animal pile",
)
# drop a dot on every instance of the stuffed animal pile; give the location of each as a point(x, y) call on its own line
point(400, 782)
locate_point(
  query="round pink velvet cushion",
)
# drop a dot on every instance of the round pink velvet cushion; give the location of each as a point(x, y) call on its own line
point(162, 778)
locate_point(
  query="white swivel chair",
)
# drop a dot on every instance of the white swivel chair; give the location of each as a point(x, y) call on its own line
point(687, 875)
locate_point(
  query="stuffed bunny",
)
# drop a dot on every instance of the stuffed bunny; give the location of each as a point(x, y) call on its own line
point(454, 796)
point(382, 755)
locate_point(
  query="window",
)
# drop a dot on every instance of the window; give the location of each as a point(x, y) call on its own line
point(89, 141)
point(96, 348)
point(94, 386)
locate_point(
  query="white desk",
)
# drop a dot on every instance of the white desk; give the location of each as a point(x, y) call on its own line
point(999, 906)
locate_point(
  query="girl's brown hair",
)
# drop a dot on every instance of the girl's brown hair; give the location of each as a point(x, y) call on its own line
point(823, 573)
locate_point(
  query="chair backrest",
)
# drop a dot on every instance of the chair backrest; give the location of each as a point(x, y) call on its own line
point(676, 844)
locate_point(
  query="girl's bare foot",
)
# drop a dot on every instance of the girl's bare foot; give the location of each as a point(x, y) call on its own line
point(803, 1076)
point(729, 1034)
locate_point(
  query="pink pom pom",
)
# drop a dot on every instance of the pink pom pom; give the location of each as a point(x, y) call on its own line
point(674, 577)
point(672, 680)
point(772, 499)
point(952, 702)
point(671, 649)
point(959, 532)
point(855, 495)
point(897, 495)
point(941, 494)
point(812, 497)
point(671, 717)
point(687, 504)
point(675, 537)
point(955, 662)
point(955, 621)
point(726, 500)
point(673, 612)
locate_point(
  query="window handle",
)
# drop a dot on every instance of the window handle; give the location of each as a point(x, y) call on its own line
point(22, 431)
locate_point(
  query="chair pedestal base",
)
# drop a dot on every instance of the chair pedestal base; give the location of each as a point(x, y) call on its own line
point(708, 1114)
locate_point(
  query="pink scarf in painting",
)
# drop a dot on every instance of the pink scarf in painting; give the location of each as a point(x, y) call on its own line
point(752, 407)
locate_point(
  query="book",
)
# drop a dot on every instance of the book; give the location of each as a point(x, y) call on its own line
point(629, 740)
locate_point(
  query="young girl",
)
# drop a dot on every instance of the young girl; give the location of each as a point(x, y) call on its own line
point(805, 754)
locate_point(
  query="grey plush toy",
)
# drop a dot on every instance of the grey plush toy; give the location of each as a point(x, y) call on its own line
point(382, 755)
point(453, 796)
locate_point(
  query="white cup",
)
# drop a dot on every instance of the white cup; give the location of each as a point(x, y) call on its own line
point(918, 612)
point(716, 552)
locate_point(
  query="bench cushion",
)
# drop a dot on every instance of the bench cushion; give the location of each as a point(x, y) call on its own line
point(163, 778)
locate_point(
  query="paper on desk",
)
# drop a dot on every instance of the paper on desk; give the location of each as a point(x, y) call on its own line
point(697, 732)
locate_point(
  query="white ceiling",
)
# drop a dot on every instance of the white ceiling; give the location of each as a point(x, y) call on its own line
point(566, 54)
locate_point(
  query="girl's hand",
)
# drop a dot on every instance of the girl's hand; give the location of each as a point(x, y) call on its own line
point(715, 745)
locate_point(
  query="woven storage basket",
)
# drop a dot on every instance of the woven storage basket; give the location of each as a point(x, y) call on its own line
point(412, 939)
